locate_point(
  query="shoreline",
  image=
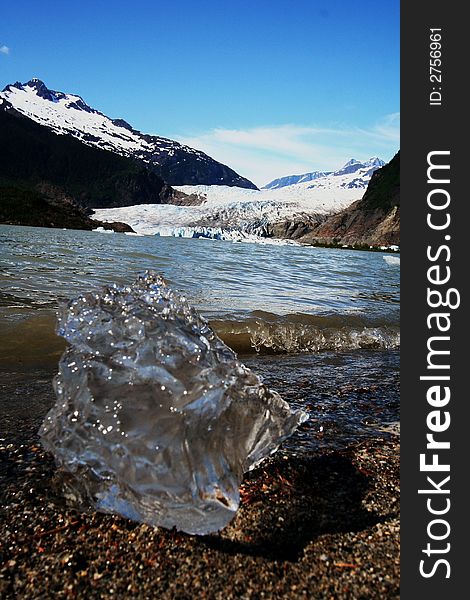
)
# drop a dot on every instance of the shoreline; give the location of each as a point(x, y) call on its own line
point(109, 227)
point(321, 526)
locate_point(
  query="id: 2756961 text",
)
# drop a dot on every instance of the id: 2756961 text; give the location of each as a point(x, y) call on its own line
point(435, 66)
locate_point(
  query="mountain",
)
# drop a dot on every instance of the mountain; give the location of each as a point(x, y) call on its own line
point(372, 221)
point(63, 113)
point(54, 180)
point(32, 155)
point(353, 166)
point(293, 179)
point(363, 170)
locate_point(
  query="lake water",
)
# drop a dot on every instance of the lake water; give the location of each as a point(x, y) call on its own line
point(319, 325)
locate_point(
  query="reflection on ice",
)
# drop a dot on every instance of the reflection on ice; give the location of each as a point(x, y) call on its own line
point(156, 419)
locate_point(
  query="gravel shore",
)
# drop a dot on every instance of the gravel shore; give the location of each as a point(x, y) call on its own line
point(325, 526)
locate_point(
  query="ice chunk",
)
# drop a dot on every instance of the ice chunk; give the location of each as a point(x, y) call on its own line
point(156, 419)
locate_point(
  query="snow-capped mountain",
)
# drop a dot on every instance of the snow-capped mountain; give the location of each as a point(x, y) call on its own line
point(69, 114)
point(293, 179)
point(363, 170)
point(247, 211)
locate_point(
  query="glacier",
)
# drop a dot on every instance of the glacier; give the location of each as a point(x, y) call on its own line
point(250, 212)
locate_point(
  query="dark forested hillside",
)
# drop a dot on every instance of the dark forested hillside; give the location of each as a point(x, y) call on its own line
point(35, 159)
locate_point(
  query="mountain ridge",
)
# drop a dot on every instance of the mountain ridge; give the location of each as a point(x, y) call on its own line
point(63, 113)
point(351, 166)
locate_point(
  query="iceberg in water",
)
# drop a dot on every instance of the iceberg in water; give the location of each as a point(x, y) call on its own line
point(155, 418)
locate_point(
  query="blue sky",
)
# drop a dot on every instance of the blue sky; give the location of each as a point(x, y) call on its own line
point(269, 87)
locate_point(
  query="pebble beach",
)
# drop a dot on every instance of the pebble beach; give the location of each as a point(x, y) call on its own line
point(321, 526)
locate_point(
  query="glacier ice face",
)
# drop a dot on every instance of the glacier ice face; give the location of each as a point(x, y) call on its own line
point(155, 418)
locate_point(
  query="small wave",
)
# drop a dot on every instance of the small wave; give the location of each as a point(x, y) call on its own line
point(30, 341)
point(305, 333)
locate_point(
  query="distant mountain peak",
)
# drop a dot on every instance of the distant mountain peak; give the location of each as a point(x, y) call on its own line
point(40, 88)
point(364, 170)
point(42, 91)
point(36, 82)
point(376, 161)
point(353, 165)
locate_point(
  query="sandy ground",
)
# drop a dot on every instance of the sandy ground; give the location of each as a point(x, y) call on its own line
point(325, 526)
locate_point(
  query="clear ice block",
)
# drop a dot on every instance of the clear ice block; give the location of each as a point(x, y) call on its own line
point(156, 419)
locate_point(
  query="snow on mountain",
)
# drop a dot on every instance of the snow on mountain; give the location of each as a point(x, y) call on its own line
point(249, 212)
point(231, 205)
point(69, 114)
point(293, 179)
point(363, 169)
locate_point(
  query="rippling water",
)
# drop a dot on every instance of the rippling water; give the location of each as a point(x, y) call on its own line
point(281, 301)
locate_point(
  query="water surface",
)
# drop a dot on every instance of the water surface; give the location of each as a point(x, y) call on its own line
point(311, 321)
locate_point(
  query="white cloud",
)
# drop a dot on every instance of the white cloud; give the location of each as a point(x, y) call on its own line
point(389, 127)
point(264, 153)
point(4, 50)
